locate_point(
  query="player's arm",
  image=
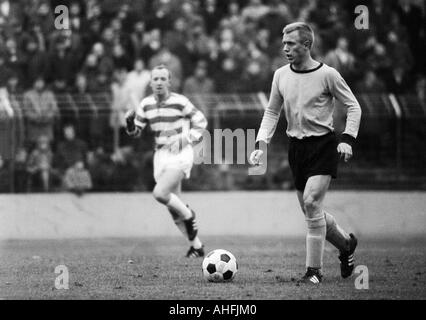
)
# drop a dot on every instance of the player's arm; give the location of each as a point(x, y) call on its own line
point(135, 123)
point(341, 91)
point(269, 121)
point(198, 123)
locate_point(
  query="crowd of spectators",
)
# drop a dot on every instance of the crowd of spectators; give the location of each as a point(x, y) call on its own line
point(211, 46)
point(238, 42)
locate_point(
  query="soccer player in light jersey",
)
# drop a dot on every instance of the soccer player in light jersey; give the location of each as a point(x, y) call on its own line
point(177, 124)
point(306, 89)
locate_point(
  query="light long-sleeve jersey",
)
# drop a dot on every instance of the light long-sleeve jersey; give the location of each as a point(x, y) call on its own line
point(170, 119)
point(308, 101)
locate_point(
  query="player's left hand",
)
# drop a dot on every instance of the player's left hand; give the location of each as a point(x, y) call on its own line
point(130, 120)
point(345, 151)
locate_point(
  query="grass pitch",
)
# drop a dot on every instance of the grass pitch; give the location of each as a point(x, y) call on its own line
point(268, 269)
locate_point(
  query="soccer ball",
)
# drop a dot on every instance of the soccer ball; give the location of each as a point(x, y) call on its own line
point(219, 266)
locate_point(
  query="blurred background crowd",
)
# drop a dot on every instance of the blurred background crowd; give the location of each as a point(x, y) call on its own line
point(211, 47)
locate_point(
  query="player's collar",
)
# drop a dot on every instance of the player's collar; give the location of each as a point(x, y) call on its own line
point(165, 98)
point(306, 71)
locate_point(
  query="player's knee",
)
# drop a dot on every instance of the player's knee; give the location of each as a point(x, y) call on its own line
point(312, 206)
point(161, 194)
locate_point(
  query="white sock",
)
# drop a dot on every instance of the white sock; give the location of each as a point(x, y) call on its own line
point(335, 234)
point(177, 205)
point(196, 243)
point(315, 240)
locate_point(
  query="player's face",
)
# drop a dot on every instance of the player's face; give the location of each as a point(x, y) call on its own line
point(160, 81)
point(293, 48)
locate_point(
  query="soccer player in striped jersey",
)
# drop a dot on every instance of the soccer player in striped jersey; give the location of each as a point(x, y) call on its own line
point(306, 89)
point(177, 124)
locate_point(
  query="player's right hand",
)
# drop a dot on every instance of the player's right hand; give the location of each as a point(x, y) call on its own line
point(130, 120)
point(255, 157)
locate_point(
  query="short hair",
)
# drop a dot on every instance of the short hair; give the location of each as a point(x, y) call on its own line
point(305, 32)
point(162, 67)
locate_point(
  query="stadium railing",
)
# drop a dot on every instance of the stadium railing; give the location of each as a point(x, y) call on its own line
point(390, 151)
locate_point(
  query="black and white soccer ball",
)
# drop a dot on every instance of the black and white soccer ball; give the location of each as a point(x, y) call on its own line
point(219, 266)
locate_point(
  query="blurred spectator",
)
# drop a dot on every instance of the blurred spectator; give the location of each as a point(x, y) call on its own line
point(6, 124)
point(77, 179)
point(370, 83)
point(60, 68)
point(277, 17)
point(412, 16)
point(11, 120)
point(254, 76)
point(137, 82)
point(10, 11)
point(20, 171)
point(6, 110)
point(255, 10)
point(98, 68)
point(227, 76)
point(88, 124)
point(379, 15)
point(36, 32)
point(398, 81)
point(376, 57)
point(119, 105)
point(342, 59)
point(93, 9)
point(176, 38)
point(14, 57)
point(124, 175)
point(233, 18)
point(40, 110)
point(212, 15)
point(90, 70)
point(139, 38)
point(103, 58)
point(14, 86)
point(108, 39)
point(35, 61)
point(100, 167)
point(198, 46)
point(5, 181)
point(70, 150)
point(399, 51)
point(5, 71)
point(76, 20)
point(153, 45)
point(42, 175)
point(421, 90)
point(178, 42)
point(128, 15)
point(160, 16)
point(119, 58)
point(263, 42)
point(199, 82)
point(91, 35)
point(41, 13)
point(80, 84)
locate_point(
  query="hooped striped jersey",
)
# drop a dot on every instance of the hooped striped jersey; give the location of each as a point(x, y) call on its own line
point(170, 119)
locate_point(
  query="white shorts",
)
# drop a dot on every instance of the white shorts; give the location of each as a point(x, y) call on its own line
point(164, 159)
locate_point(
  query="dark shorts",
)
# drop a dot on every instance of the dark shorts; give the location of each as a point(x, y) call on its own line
point(313, 156)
